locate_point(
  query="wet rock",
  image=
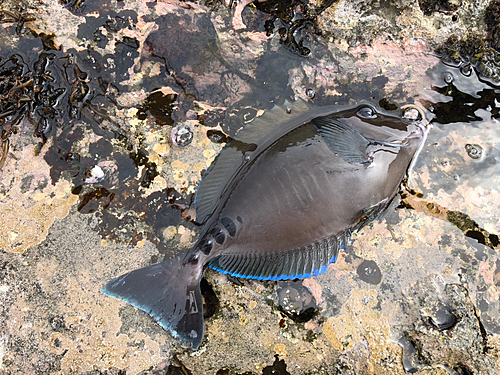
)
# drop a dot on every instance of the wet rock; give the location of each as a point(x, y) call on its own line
point(410, 357)
point(474, 151)
point(130, 76)
point(217, 136)
point(296, 301)
point(441, 316)
point(181, 136)
point(446, 324)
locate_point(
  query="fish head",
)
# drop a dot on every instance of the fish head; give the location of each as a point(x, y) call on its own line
point(391, 141)
point(407, 129)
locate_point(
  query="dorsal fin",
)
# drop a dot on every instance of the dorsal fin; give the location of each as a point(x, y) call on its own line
point(231, 158)
point(299, 263)
point(215, 180)
point(271, 120)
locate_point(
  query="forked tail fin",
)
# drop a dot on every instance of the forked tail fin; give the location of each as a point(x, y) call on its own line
point(169, 292)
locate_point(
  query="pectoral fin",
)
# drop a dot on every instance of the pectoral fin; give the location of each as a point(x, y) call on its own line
point(345, 140)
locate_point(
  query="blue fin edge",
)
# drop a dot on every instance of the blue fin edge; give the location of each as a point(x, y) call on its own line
point(280, 277)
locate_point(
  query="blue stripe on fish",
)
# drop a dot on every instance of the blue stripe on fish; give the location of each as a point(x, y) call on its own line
point(314, 272)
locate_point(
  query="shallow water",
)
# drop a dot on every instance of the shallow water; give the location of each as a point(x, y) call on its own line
point(168, 85)
point(459, 171)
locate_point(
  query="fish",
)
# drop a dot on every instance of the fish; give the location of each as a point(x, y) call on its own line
point(280, 201)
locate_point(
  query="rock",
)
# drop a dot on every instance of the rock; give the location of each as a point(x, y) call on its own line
point(93, 184)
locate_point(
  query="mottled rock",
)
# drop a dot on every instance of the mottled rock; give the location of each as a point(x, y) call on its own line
point(111, 191)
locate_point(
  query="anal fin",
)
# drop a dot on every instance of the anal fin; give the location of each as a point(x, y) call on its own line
point(299, 263)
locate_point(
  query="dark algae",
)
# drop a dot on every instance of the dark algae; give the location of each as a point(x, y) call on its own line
point(278, 367)
point(159, 105)
point(472, 230)
point(217, 136)
point(65, 95)
point(31, 93)
point(430, 6)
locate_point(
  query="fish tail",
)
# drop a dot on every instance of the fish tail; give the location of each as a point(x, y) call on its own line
point(169, 292)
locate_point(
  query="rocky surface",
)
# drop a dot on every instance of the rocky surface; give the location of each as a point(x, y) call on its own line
point(130, 101)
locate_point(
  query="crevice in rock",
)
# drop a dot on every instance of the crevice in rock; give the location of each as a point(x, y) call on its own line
point(413, 200)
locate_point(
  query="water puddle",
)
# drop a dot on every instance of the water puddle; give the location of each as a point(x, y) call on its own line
point(460, 168)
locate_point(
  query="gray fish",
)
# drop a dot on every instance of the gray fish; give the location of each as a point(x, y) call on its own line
point(278, 203)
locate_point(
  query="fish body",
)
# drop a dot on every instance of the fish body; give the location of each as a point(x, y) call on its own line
point(279, 202)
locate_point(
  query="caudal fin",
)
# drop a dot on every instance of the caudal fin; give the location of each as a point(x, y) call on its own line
point(169, 292)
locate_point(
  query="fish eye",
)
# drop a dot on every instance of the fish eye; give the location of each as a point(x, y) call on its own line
point(367, 112)
point(411, 113)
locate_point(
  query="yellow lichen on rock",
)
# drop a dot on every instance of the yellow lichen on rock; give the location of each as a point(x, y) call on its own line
point(361, 323)
point(374, 239)
point(161, 148)
point(84, 349)
point(494, 348)
point(29, 202)
point(188, 162)
point(158, 184)
point(280, 349)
